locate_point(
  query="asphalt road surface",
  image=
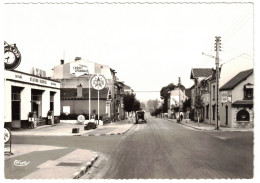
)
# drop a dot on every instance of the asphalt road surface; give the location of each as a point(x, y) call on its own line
point(163, 149)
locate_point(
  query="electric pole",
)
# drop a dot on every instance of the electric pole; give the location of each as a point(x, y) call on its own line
point(217, 49)
point(179, 83)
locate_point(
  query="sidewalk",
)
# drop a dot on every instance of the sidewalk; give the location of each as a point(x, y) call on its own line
point(209, 127)
point(47, 162)
point(65, 129)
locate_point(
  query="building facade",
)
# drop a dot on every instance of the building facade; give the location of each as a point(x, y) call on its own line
point(198, 75)
point(26, 93)
point(236, 101)
point(176, 99)
point(76, 76)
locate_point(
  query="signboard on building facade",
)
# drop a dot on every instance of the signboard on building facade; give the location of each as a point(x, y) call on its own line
point(38, 72)
point(80, 69)
point(18, 76)
point(225, 97)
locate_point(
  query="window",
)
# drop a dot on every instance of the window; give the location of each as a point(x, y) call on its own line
point(213, 95)
point(213, 111)
point(207, 111)
point(79, 90)
point(248, 93)
point(243, 115)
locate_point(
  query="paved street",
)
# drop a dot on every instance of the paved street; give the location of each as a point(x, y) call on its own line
point(160, 149)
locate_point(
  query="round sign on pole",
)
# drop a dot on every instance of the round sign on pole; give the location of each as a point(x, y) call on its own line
point(81, 118)
point(98, 82)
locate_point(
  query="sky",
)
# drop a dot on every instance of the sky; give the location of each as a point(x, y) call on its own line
point(149, 45)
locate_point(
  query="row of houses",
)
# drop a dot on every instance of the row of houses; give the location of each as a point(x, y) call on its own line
point(235, 98)
point(67, 91)
point(235, 106)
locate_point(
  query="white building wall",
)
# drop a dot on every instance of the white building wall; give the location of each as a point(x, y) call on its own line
point(8, 102)
point(45, 102)
point(57, 106)
point(238, 91)
point(25, 102)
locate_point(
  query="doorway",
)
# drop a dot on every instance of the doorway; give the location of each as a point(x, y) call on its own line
point(226, 115)
point(16, 106)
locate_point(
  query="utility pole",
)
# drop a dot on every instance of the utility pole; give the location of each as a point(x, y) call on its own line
point(179, 83)
point(217, 49)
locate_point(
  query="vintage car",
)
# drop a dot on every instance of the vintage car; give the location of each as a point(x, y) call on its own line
point(140, 117)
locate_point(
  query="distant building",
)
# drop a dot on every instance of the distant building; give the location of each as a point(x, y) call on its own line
point(74, 78)
point(236, 101)
point(128, 89)
point(198, 75)
point(176, 100)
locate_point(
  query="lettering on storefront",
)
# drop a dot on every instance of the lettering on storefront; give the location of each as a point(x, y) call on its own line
point(36, 80)
point(31, 79)
point(18, 76)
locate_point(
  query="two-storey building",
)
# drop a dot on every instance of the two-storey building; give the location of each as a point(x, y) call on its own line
point(236, 101)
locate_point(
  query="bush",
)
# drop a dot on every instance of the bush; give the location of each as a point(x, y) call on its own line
point(90, 125)
point(63, 116)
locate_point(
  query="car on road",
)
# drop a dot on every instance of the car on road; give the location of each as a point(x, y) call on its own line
point(140, 117)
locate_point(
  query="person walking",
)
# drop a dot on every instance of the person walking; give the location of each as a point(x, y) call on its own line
point(181, 117)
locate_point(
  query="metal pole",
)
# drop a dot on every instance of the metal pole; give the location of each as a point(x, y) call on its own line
point(89, 100)
point(179, 99)
point(98, 107)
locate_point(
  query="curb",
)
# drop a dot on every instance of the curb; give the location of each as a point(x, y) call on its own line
point(85, 168)
point(189, 126)
point(106, 134)
point(225, 130)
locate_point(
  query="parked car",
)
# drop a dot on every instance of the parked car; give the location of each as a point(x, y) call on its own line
point(140, 117)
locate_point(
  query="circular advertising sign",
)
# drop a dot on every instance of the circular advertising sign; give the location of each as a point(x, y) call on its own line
point(98, 82)
point(12, 56)
point(81, 118)
point(7, 135)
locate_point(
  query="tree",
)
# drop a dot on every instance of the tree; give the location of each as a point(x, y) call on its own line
point(165, 95)
point(152, 105)
point(198, 105)
point(128, 101)
point(136, 106)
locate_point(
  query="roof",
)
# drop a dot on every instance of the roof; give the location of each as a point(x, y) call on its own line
point(71, 93)
point(188, 92)
point(243, 103)
point(231, 84)
point(200, 72)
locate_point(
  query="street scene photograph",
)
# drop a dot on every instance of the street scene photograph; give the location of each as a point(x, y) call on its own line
point(128, 90)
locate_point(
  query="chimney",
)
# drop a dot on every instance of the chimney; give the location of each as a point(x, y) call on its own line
point(61, 62)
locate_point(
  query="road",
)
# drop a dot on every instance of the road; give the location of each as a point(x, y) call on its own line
point(165, 150)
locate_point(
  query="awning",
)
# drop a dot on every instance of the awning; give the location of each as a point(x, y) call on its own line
point(243, 103)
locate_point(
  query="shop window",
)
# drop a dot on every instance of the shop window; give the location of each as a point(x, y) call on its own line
point(243, 115)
